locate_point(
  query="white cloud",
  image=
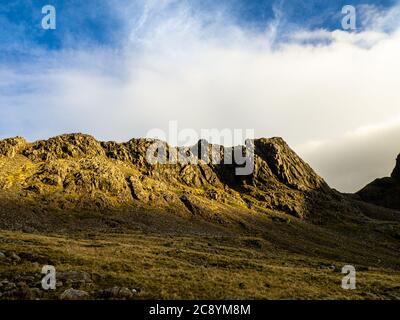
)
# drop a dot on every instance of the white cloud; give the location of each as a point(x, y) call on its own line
point(356, 158)
point(214, 74)
point(374, 18)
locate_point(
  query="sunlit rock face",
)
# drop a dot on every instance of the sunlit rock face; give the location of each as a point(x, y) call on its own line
point(75, 171)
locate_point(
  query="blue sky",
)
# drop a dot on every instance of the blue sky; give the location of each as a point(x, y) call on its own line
point(98, 22)
point(117, 69)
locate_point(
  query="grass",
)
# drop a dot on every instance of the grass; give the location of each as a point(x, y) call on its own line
point(194, 267)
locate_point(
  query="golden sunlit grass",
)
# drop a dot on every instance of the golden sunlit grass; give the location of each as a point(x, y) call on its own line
point(193, 267)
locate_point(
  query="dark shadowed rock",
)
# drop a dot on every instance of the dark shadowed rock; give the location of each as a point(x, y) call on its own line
point(384, 192)
point(396, 172)
point(22, 293)
point(116, 293)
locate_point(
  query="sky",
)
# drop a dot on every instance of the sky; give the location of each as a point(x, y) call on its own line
point(117, 69)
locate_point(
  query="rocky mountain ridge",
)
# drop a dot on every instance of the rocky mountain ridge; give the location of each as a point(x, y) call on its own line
point(75, 171)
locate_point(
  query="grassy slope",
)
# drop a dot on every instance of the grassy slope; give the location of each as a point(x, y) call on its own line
point(279, 261)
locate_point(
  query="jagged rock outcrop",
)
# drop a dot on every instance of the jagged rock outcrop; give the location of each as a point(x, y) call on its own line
point(64, 147)
point(286, 166)
point(10, 147)
point(396, 172)
point(384, 192)
point(76, 170)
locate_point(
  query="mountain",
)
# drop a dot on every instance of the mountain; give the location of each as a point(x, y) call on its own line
point(108, 219)
point(384, 192)
point(78, 172)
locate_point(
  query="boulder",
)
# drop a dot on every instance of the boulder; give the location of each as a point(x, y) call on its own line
point(73, 294)
point(74, 277)
point(116, 293)
point(10, 147)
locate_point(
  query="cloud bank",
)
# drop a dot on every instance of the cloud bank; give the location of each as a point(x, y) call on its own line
point(316, 90)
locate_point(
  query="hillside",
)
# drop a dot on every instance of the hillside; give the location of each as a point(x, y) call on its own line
point(101, 211)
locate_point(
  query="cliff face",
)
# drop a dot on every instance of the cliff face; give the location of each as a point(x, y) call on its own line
point(384, 192)
point(396, 172)
point(76, 171)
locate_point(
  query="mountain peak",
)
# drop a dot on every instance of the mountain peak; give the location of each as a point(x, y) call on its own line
point(396, 172)
point(385, 191)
